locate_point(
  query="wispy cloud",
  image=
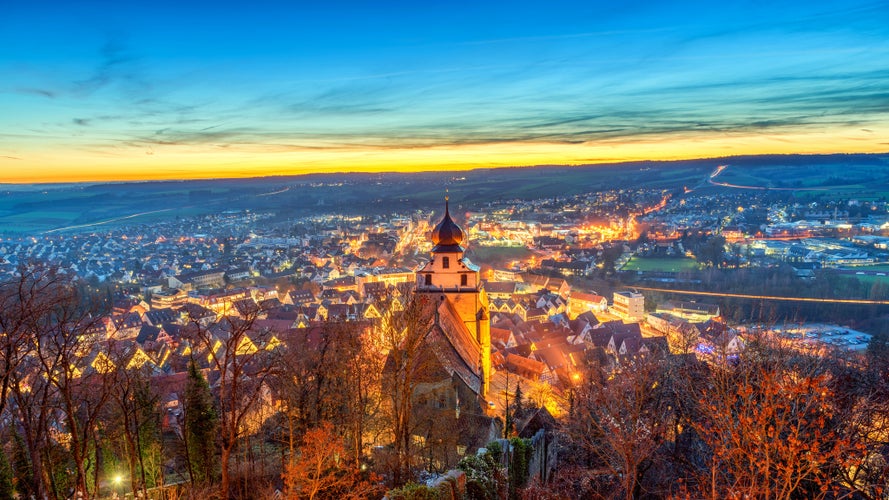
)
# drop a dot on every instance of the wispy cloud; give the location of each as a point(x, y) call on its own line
point(564, 36)
point(635, 72)
point(113, 66)
point(37, 91)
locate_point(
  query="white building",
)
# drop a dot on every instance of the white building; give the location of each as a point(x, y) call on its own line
point(629, 306)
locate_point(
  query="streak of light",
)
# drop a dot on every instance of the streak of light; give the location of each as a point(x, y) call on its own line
point(107, 221)
point(720, 169)
point(768, 297)
point(274, 192)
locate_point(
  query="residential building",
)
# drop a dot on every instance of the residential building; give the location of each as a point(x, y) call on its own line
point(629, 305)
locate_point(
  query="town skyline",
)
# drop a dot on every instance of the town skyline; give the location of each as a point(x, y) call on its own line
point(102, 93)
point(481, 250)
point(504, 317)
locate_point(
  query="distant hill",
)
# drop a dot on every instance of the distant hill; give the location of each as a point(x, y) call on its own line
point(32, 209)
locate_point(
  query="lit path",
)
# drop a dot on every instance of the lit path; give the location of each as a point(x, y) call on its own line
point(108, 221)
point(768, 297)
point(718, 171)
point(704, 181)
point(140, 214)
point(721, 168)
point(275, 192)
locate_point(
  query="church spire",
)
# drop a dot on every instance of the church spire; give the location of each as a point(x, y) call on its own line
point(447, 235)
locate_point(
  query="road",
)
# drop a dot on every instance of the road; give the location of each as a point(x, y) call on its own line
point(721, 168)
point(108, 221)
point(767, 297)
point(140, 214)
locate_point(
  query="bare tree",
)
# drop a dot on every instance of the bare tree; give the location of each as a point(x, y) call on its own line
point(619, 417)
point(309, 376)
point(25, 303)
point(769, 423)
point(23, 300)
point(362, 391)
point(293, 376)
point(401, 335)
point(33, 403)
point(237, 352)
point(53, 384)
point(860, 398)
point(683, 338)
point(321, 470)
point(133, 419)
point(76, 363)
point(330, 372)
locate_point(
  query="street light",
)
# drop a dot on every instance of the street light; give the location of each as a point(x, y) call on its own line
point(117, 480)
point(575, 379)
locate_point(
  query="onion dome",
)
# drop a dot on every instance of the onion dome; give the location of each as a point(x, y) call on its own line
point(447, 235)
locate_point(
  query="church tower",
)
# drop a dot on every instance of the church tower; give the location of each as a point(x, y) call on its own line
point(450, 276)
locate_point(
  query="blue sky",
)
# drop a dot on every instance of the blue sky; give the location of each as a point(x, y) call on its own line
point(115, 90)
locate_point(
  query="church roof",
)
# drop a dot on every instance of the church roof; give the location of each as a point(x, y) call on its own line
point(447, 235)
point(455, 347)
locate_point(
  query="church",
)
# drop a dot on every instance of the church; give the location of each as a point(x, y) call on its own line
point(451, 413)
point(462, 315)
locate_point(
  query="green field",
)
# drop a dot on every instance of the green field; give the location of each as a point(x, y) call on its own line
point(39, 208)
point(835, 180)
point(660, 264)
point(38, 220)
point(497, 256)
point(36, 209)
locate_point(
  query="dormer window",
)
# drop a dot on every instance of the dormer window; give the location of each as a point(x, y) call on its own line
point(445, 262)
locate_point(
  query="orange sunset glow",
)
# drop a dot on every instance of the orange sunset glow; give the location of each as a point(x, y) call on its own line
point(246, 160)
point(100, 94)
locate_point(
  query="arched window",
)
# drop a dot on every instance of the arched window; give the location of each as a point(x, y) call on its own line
point(445, 262)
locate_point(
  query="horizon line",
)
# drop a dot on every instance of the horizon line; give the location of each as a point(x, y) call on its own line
point(428, 170)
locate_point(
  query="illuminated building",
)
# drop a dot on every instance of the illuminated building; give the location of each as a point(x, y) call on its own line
point(629, 306)
point(462, 314)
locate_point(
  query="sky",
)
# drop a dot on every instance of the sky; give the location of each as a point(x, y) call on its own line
point(94, 91)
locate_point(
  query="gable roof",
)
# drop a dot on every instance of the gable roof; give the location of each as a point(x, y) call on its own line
point(690, 307)
point(500, 336)
point(147, 333)
point(554, 357)
point(500, 287)
point(586, 297)
point(159, 316)
point(455, 347)
point(525, 365)
point(618, 327)
point(540, 419)
point(599, 337)
point(301, 296)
